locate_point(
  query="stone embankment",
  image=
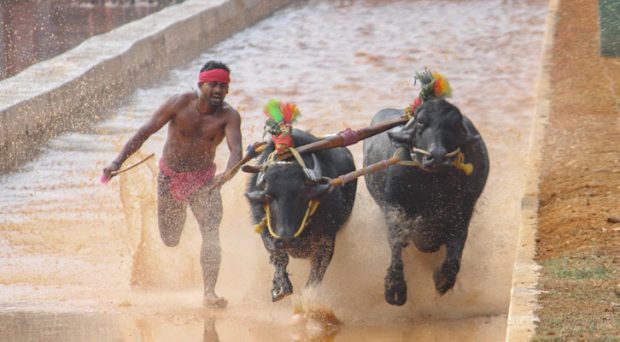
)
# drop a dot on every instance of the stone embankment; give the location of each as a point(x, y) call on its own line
point(76, 88)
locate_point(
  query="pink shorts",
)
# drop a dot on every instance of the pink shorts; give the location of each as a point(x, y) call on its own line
point(184, 184)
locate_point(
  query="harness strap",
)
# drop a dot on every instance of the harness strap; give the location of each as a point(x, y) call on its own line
point(458, 163)
point(313, 205)
point(297, 156)
point(412, 163)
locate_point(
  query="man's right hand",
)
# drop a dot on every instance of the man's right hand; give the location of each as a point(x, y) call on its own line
point(107, 171)
point(218, 181)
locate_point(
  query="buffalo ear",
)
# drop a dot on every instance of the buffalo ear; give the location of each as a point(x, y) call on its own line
point(471, 138)
point(401, 137)
point(257, 196)
point(471, 135)
point(316, 192)
point(251, 168)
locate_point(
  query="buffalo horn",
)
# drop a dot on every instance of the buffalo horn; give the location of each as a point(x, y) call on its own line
point(403, 136)
point(260, 180)
point(315, 174)
point(409, 123)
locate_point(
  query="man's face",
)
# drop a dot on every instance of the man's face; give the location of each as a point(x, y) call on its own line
point(214, 92)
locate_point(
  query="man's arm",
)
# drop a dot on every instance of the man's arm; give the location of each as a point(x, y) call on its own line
point(161, 116)
point(232, 132)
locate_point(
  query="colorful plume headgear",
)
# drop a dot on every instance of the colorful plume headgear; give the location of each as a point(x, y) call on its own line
point(433, 86)
point(281, 116)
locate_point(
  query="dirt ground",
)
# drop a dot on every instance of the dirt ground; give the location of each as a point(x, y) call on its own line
point(579, 214)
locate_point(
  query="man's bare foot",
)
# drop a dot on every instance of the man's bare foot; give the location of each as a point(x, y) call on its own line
point(213, 301)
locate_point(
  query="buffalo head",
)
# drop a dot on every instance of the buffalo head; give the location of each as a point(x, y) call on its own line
point(286, 189)
point(434, 135)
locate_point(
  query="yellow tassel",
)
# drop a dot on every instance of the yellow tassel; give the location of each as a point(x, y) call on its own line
point(260, 226)
point(459, 163)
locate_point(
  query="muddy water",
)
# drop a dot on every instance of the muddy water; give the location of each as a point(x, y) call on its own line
point(80, 259)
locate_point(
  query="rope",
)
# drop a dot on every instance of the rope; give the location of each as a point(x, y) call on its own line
point(458, 163)
point(297, 156)
point(349, 137)
point(313, 205)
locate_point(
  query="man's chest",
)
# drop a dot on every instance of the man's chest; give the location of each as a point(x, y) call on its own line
point(199, 126)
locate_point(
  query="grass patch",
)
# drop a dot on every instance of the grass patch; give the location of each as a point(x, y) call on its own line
point(577, 301)
point(577, 268)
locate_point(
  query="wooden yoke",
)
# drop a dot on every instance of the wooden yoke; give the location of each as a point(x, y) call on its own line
point(384, 164)
point(341, 139)
point(345, 138)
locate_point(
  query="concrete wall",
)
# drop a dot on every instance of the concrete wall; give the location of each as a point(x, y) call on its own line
point(521, 324)
point(73, 90)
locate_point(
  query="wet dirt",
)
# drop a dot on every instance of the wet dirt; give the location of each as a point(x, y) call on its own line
point(580, 179)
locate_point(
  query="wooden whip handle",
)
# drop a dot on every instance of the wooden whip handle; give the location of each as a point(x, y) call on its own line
point(114, 173)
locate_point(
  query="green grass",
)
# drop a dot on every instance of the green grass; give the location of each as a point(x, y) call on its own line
point(578, 299)
point(577, 269)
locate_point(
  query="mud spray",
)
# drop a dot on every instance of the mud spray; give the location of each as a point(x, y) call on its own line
point(98, 253)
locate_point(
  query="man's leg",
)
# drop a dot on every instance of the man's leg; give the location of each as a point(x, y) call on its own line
point(207, 208)
point(170, 213)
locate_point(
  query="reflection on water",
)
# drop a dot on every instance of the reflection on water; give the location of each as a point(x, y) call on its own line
point(207, 327)
point(57, 327)
point(36, 30)
point(69, 244)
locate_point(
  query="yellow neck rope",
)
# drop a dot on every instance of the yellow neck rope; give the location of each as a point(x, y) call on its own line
point(313, 205)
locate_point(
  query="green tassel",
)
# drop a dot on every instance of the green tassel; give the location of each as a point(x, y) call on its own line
point(272, 109)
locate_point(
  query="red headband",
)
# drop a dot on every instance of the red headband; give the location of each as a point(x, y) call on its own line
point(214, 75)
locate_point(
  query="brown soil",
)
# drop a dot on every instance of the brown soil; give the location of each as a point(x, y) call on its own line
point(579, 233)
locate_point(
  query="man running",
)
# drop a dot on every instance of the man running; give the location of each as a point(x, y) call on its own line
point(197, 124)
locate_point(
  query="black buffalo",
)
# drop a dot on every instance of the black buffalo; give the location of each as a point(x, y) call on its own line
point(288, 188)
point(431, 202)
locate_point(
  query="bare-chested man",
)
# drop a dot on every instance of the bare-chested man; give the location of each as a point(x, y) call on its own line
point(197, 124)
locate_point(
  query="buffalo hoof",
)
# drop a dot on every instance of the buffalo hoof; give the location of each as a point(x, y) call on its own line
point(281, 290)
point(395, 290)
point(443, 282)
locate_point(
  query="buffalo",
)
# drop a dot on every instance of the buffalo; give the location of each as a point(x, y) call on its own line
point(429, 198)
point(283, 198)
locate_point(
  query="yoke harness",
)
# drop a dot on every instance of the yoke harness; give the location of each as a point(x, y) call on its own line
point(313, 205)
